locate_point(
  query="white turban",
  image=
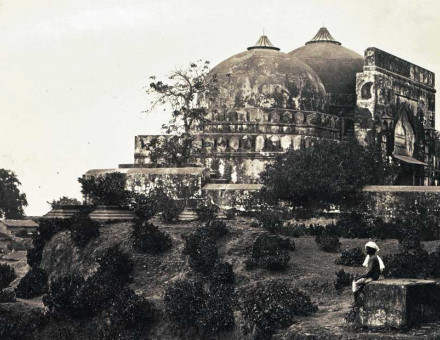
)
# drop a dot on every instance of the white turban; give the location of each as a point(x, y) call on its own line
point(373, 245)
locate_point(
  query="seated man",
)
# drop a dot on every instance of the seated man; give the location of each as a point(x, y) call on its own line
point(374, 266)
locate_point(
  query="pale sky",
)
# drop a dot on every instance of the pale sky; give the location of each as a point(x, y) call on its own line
point(73, 72)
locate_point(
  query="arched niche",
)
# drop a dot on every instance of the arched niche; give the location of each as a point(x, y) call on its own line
point(246, 143)
point(287, 117)
point(404, 136)
point(366, 90)
point(208, 143)
point(285, 142)
point(234, 143)
point(259, 143)
point(273, 143)
point(299, 118)
point(222, 144)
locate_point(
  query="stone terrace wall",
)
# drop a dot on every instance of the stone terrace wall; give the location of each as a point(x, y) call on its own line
point(391, 201)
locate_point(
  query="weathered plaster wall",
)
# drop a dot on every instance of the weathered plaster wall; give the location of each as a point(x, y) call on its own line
point(388, 90)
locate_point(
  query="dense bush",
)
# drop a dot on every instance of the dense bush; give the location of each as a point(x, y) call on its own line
point(82, 230)
point(408, 265)
point(149, 239)
point(21, 324)
point(215, 229)
point(189, 305)
point(222, 273)
point(34, 256)
point(202, 251)
point(7, 275)
point(115, 264)
point(207, 211)
point(7, 295)
point(270, 252)
point(231, 213)
point(219, 314)
point(272, 305)
point(169, 208)
point(64, 297)
point(130, 311)
point(329, 172)
point(270, 219)
point(328, 242)
point(342, 280)
point(105, 190)
point(185, 303)
point(351, 257)
point(33, 284)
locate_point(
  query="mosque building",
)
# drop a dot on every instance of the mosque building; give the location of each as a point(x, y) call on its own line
point(270, 101)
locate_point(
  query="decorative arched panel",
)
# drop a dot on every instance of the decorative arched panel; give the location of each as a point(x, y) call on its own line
point(286, 143)
point(259, 143)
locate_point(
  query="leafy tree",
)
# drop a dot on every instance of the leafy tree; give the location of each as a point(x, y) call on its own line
point(106, 190)
point(64, 200)
point(329, 172)
point(186, 93)
point(11, 200)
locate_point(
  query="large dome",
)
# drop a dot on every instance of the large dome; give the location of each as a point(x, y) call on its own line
point(263, 76)
point(335, 65)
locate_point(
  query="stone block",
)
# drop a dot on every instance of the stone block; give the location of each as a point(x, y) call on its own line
point(399, 303)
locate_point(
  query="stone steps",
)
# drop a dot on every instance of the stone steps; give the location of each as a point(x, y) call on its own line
point(187, 215)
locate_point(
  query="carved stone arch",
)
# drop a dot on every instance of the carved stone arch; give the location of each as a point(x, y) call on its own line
point(405, 131)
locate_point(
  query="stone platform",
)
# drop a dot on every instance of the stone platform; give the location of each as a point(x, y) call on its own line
point(399, 303)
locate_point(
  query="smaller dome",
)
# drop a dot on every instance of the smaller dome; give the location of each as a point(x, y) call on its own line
point(263, 76)
point(335, 65)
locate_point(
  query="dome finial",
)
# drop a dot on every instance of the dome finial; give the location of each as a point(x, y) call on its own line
point(263, 43)
point(323, 36)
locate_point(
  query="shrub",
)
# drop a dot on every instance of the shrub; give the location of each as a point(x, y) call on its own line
point(408, 265)
point(435, 263)
point(168, 207)
point(7, 295)
point(410, 235)
point(21, 323)
point(342, 280)
point(231, 213)
point(148, 238)
point(328, 242)
point(271, 220)
point(107, 190)
point(219, 315)
point(223, 273)
point(202, 251)
point(216, 229)
point(34, 256)
point(351, 257)
point(33, 284)
point(83, 230)
point(207, 211)
point(272, 305)
point(189, 305)
point(270, 252)
point(115, 264)
point(64, 297)
point(185, 302)
point(7, 275)
point(128, 310)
